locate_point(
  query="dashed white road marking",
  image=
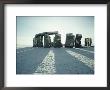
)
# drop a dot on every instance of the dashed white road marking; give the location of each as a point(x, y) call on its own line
point(87, 61)
point(85, 50)
point(48, 64)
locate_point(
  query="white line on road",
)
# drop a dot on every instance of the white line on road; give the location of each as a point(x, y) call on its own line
point(87, 61)
point(85, 50)
point(48, 64)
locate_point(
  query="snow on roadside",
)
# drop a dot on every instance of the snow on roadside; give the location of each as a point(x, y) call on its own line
point(47, 66)
point(87, 61)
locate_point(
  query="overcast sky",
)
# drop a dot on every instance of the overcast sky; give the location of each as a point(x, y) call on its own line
point(27, 27)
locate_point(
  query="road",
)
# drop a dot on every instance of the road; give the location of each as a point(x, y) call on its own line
point(33, 60)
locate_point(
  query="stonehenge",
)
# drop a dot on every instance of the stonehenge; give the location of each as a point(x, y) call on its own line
point(38, 40)
point(70, 42)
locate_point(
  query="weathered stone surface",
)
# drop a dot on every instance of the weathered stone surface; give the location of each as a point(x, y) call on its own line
point(88, 41)
point(70, 42)
point(70, 39)
point(34, 43)
point(57, 41)
point(78, 40)
point(47, 41)
point(40, 41)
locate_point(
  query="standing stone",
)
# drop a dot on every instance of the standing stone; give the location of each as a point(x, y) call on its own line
point(34, 43)
point(39, 41)
point(70, 39)
point(47, 41)
point(88, 41)
point(78, 40)
point(57, 40)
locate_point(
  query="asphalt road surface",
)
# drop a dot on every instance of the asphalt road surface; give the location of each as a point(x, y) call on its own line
point(33, 60)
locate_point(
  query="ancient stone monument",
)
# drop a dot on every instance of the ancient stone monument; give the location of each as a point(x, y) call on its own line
point(38, 40)
point(47, 41)
point(57, 41)
point(70, 40)
point(88, 41)
point(78, 40)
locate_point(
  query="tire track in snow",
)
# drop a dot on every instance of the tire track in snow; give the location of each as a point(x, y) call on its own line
point(47, 66)
point(87, 61)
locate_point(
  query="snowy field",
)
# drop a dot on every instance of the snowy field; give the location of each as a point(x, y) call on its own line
point(33, 60)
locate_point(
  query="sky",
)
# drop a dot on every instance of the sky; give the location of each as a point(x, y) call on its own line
point(28, 26)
